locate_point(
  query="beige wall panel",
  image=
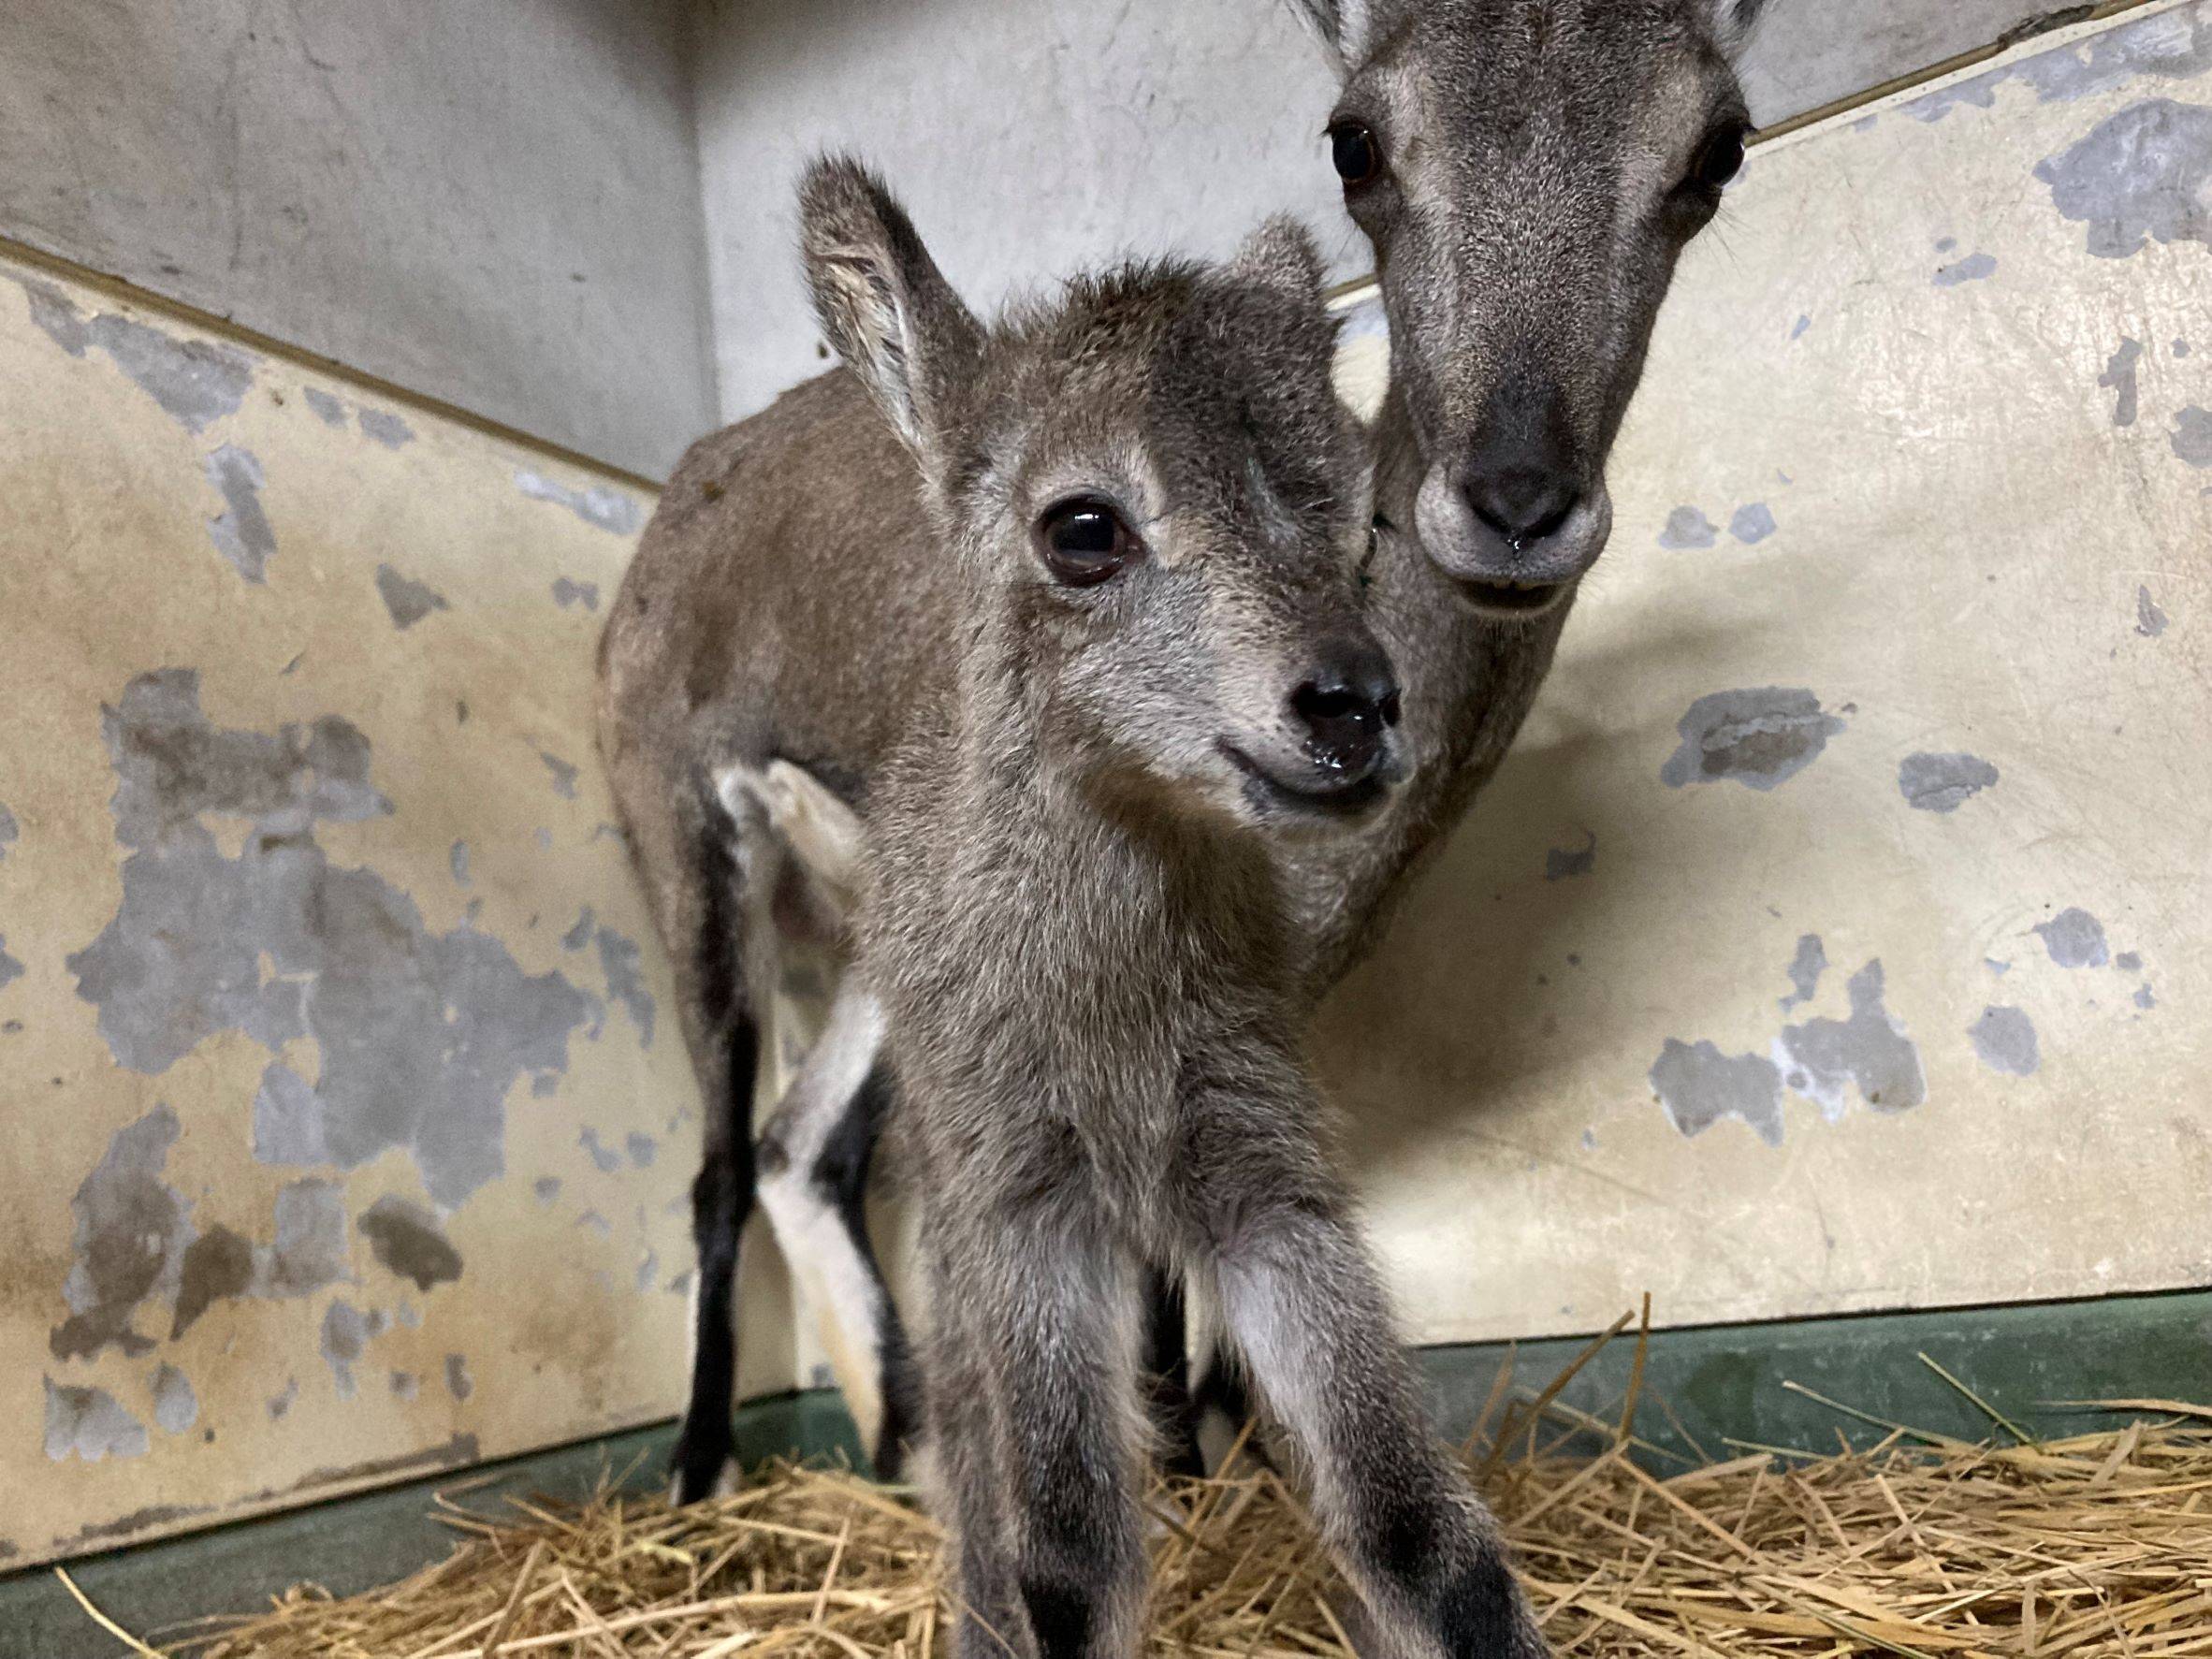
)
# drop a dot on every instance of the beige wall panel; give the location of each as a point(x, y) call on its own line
point(1924, 445)
point(275, 907)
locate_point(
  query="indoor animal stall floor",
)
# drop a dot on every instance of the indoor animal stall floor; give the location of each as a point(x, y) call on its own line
point(2097, 1544)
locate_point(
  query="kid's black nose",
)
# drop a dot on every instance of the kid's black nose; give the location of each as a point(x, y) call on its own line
point(1346, 702)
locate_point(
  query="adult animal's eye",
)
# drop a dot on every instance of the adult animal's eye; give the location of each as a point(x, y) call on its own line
point(1355, 151)
point(1720, 158)
point(1084, 541)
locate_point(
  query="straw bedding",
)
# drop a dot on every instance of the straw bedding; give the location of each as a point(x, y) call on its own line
point(2096, 1545)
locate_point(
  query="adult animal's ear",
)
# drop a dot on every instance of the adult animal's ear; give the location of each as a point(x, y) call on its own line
point(884, 305)
point(1345, 28)
point(1733, 21)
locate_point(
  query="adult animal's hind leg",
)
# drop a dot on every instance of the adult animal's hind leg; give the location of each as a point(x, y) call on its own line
point(706, 892)
point(814, 1156)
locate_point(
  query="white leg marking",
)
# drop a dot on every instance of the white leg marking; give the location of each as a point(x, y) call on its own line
point(832, 1275)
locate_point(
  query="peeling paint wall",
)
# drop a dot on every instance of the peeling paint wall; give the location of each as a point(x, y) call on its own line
point(495, 204)
point(1882, 982)
point(302, 1063)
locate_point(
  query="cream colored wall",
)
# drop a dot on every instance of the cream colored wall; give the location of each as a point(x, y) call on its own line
point(1959, 350)
point(274, 906)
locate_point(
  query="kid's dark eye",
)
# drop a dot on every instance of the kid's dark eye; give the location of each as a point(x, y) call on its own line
point(1084, 541)
point(1719, 160)
point(1354, 150)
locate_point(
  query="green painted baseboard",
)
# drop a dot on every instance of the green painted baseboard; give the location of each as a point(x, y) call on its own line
point(1703, 1390)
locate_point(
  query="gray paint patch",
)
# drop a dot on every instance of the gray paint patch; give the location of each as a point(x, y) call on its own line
point(618, 961)
point(309, 1252)
point(547, 1189)
point(241, 531)
point(565, 774)
point(643, 1148)
point(2150, 621)
point(131, 1234)
point(419, 1035)
point(606, 509)
point(567, 594)
point(10, 970)
point(328, 409)
point(407, 1239)
point(1869, 1052)
point(280, 1404)
point(287, 1120)
point(405, 1385)
point(1759, 737)
point(2144, 999)
point(2075, 939)
point(458, 1383)
point(1942, 782)
point(55, 315)
point(90, 1424)
point(1686, 528)
point(2191, 436)
point(1971, 269)
point(608, 1159)
point(1563, 862)
point(578, 935)
point(8, 831)
point(597, 1223)
point(1752, 524)
point(2128, 962)
point(195, 381)
point(2120, 379)
point(408, 600)
point(2177, 45)
point(345, 1339)
point(385, 427)
point(176, 1406)
point(2140, 175)
point(1797, 328)
point(1698, 1086)
point(2180, 346)
point(457, 861)
point(1806, 968)
point(2005, 1039)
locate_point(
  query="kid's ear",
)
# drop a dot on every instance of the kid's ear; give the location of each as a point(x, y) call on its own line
point(887, 308)
point(1281, 256)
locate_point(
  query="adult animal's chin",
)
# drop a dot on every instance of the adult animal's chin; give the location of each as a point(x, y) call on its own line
point(1502, 579)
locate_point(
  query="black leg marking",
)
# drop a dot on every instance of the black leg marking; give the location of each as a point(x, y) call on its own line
point(1167, 1377)
point(722, 1200)
point(1059, 1617)
point(842, 1173)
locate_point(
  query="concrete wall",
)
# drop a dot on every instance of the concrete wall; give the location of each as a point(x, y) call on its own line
point(1031, 139)
point(494, 203)
point(343, 1129)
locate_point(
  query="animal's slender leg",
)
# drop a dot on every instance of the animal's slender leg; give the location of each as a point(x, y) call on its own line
point(1220, 1406)
point(814, 1156)
point(1034, 1402)
point(1167, 1370)
point(1304, 1305)
point(697, 867)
